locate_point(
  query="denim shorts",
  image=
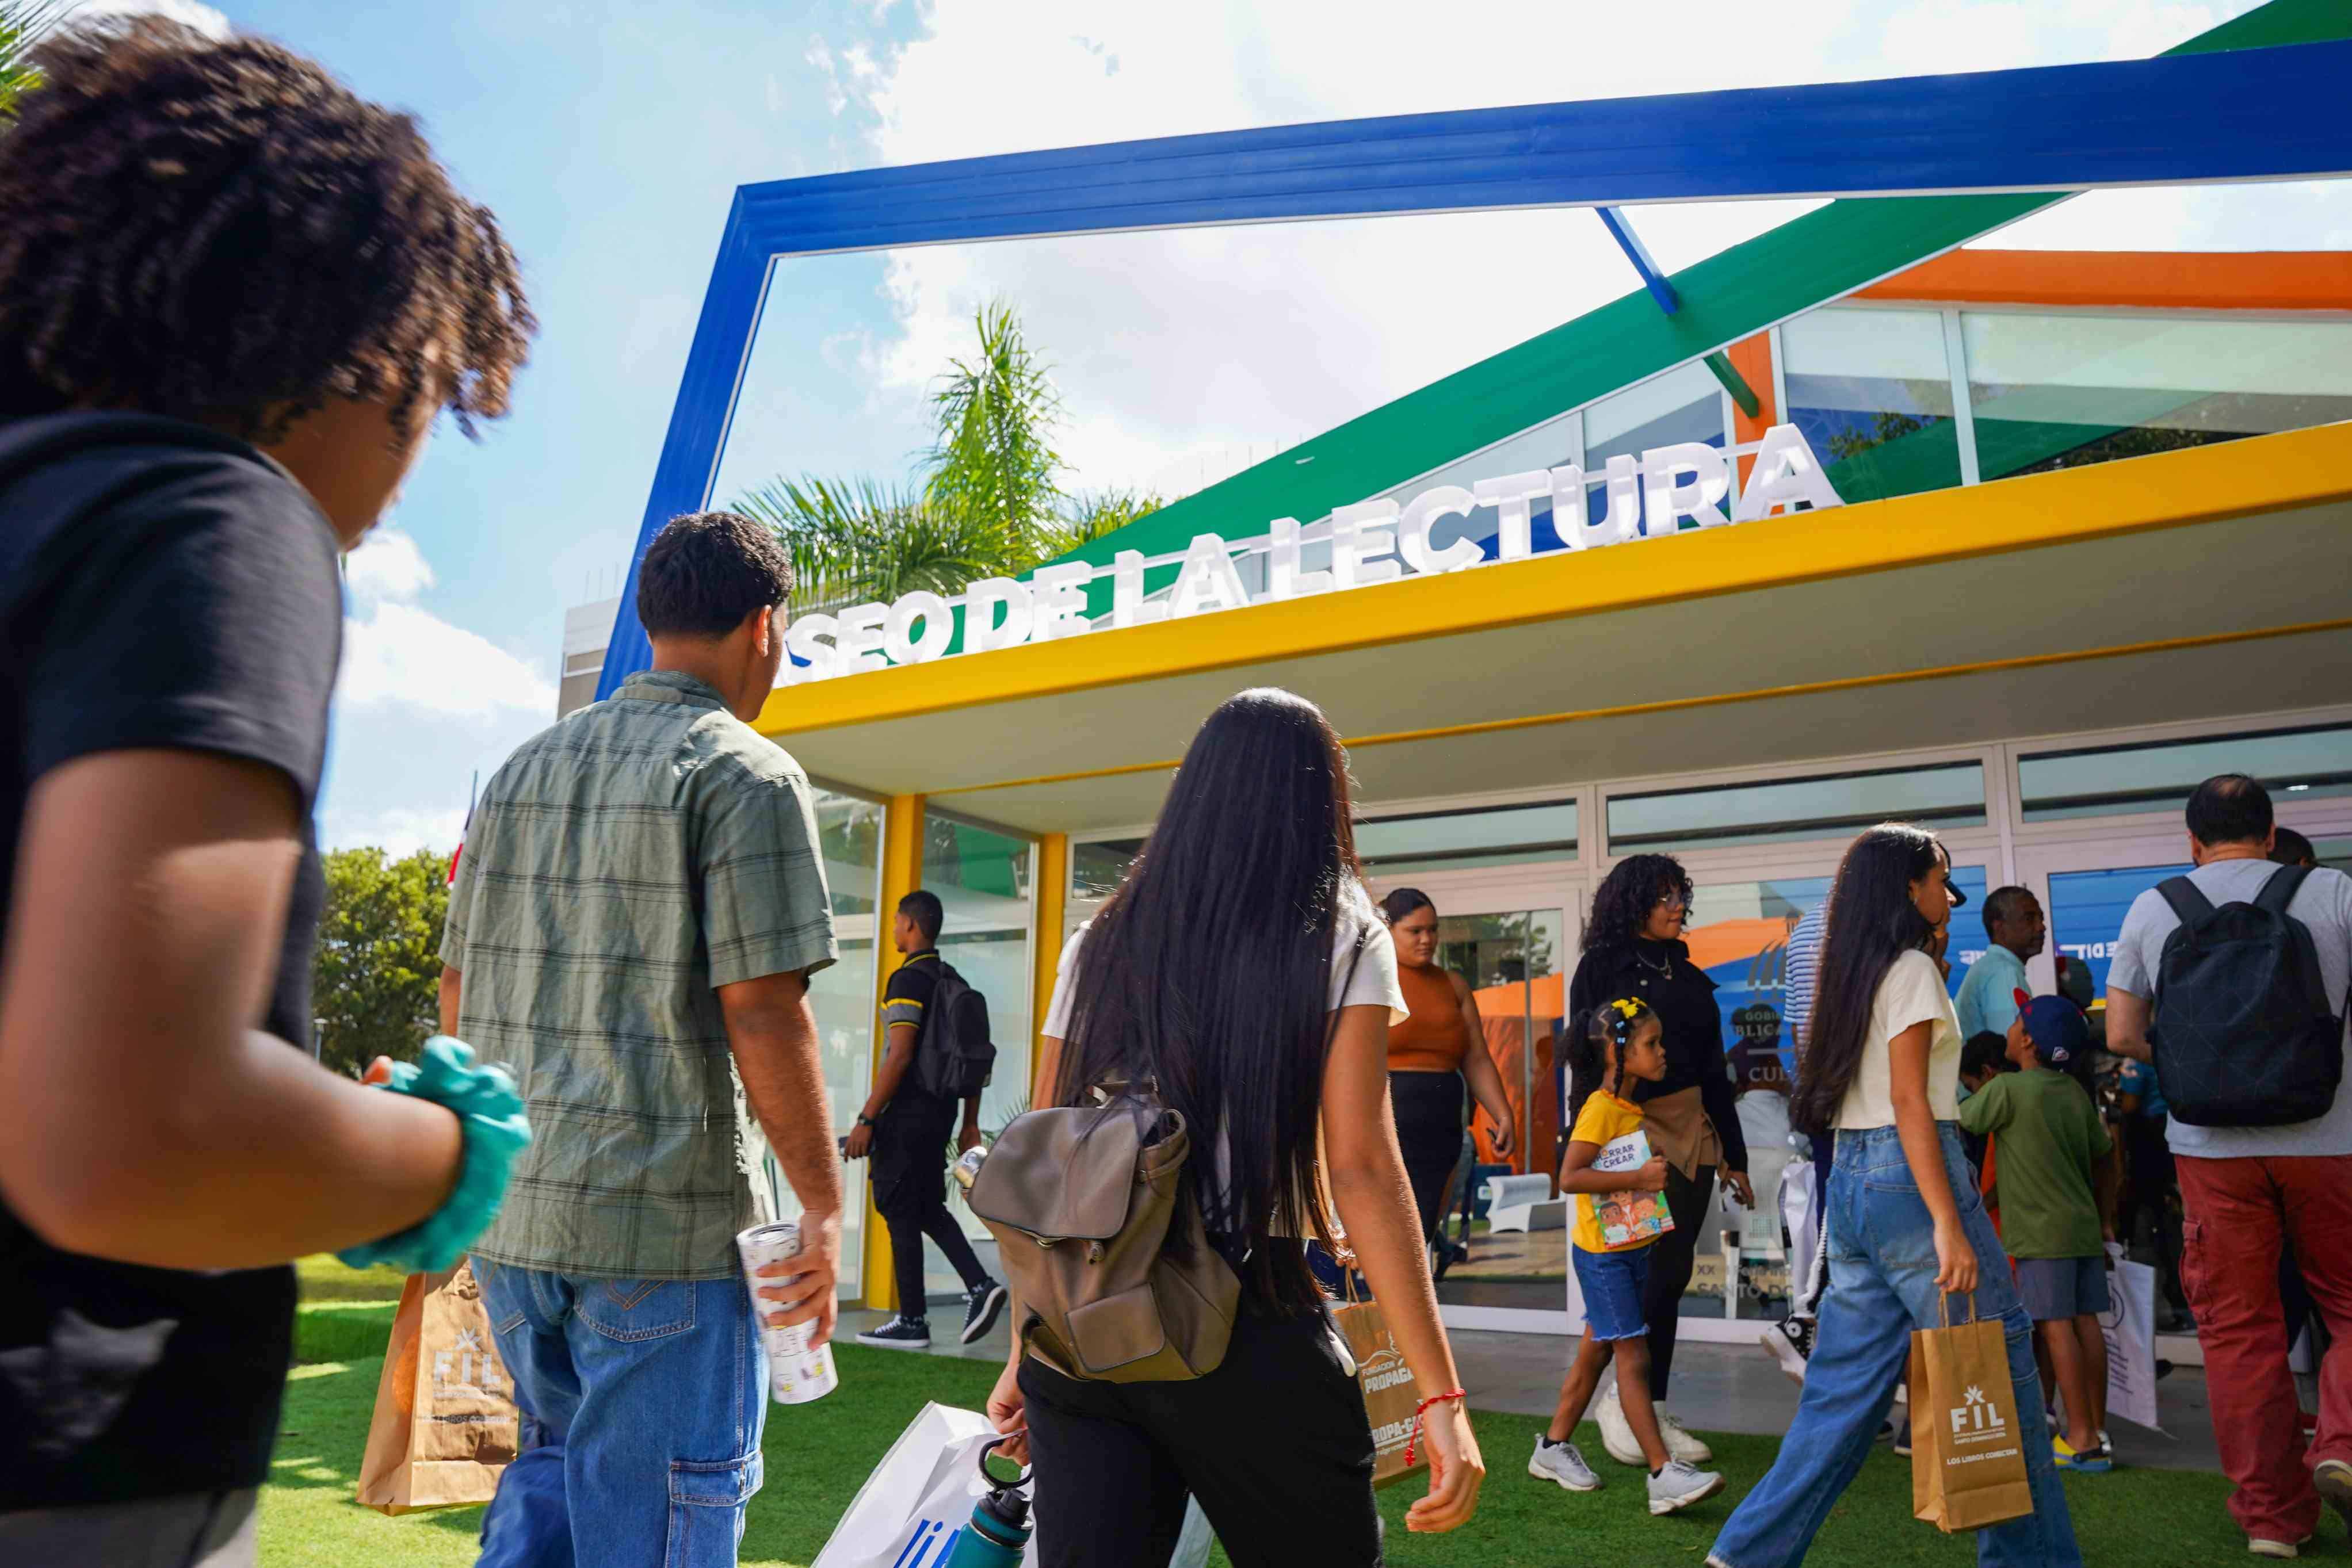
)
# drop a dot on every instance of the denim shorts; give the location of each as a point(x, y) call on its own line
point(1612, 1284)
point(2062, 1287)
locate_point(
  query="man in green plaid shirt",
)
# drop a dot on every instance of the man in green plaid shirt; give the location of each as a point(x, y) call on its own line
point(637, 914)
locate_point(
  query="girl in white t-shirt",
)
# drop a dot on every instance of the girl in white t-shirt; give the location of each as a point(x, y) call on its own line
point(1907, 1229)
point(1241, 968)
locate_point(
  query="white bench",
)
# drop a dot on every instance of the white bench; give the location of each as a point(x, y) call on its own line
point(1523, 1203)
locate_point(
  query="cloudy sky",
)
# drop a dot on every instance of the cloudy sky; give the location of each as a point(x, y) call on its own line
point(609, 138)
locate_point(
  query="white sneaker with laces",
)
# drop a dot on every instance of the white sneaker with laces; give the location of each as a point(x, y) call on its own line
point(1616, 1434)
point(1680, 1444)
point(1789, 1342)
point(1679, 1485)
point(1564, 1463)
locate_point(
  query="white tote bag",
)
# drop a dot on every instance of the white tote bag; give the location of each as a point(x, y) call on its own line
point(2129, 1323)
point(907, 1514)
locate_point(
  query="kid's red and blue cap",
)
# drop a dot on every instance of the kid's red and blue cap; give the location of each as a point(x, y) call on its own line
point(2056, 1027)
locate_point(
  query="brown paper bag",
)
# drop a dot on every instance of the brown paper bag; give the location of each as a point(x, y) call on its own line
point(1968, 1459)
point(445, 1424)
point(1390, 1394)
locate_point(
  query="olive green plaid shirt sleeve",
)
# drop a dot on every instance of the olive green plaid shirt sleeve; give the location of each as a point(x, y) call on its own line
point(765, 908)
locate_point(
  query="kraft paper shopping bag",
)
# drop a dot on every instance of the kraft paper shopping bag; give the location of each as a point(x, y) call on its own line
point(445, 1424)
point(1390, 1394)
point(1968, 1459)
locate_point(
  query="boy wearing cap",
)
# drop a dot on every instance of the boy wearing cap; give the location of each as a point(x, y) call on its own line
point(2052, 1142)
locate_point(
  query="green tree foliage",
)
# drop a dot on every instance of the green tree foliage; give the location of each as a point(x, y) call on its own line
point(376, 979)
point(994, 418)
point(22, 22)
point(989, 504)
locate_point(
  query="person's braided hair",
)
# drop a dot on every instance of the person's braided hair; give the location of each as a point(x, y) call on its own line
point(221, 232)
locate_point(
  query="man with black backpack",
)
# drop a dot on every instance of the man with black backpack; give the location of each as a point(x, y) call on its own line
point(2231, 980)
point(940, 1054)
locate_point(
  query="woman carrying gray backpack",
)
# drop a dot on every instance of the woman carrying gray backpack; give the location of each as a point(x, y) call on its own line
point(1241, 982)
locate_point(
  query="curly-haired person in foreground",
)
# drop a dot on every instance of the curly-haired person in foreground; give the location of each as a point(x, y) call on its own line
point(233, 298)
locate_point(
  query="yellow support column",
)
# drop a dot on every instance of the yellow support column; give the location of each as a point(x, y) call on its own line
point(902, 873)
point(1053, 905)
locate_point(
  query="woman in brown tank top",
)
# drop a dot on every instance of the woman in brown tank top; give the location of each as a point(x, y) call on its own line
point(1431, 1054)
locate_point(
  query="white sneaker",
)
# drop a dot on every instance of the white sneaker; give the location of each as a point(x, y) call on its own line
point(1616, 1433)
point(1680, 1444)
point(1789, 1342)
point(1679, 1485)
point(2262, 1547)
point(1563, 1463)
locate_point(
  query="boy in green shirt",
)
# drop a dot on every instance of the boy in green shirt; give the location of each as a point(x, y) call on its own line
point(2051, 1210)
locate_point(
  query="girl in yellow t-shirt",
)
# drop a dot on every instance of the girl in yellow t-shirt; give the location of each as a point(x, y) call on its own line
point(1619, 1212)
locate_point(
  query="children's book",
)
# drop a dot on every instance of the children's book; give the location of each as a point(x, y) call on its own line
point(1628, 1219)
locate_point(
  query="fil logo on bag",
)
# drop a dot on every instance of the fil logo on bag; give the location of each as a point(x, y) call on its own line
point(469, 1365)
point(928, 1546)
point(1978, 1419)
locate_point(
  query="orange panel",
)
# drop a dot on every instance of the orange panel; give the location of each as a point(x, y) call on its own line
point(2177, 280)
point(1752, 357)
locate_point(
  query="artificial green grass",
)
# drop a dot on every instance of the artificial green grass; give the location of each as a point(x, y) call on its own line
point(818, 1455)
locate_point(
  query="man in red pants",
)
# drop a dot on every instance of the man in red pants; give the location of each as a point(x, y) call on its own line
point(2251, 1190)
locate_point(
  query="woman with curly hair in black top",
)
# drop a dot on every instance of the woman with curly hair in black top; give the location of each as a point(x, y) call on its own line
point(233, 298)
point(1633, 947)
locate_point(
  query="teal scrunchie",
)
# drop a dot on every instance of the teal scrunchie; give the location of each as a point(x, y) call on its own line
point(490, 1113)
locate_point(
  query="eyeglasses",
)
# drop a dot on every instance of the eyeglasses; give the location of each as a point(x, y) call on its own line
point(1674, 904)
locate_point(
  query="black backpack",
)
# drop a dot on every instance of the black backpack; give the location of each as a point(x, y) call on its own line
point(955, 1057)
point(2244, 1035)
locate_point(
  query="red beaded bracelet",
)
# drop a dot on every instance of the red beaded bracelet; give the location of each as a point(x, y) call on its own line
point(1420, 1410)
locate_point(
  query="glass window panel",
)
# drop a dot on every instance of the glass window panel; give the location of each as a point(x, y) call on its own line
point(1513, 962)
point(1096, 868)
point(1738, 933)
point(849, 835)
point(983, 880)
point(1872, 390)
point(1438, 841)
point(1683, 404)
point(2157, 776)
point(2059, 392)
point(1947, 795)
point(2334, 853)
point(2087, 910)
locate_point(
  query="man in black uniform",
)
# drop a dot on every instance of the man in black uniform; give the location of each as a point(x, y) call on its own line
point(906, 1131)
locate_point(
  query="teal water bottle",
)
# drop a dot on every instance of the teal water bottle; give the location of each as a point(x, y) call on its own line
point(999, 1528)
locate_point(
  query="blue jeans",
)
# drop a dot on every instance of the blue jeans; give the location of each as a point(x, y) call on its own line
point(645, 1399)
point(1882, 1286)
point(1612, 1283)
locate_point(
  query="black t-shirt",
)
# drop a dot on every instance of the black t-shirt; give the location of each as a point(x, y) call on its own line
point(161, 586)
point(907, 999)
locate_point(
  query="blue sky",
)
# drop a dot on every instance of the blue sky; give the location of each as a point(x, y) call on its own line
point(610, 137)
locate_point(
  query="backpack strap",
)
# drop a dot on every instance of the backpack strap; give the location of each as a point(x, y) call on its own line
point(2189, 902)
point(2275, 895)
point(2280, 891)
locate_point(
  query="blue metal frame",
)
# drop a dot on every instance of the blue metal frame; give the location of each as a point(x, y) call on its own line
point(2233, 115)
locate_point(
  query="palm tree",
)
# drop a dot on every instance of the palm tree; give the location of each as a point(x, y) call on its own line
point(22, 24)
point(990, 505)
point(995, 416)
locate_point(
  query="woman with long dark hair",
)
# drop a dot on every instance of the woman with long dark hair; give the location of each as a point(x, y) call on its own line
point(1633, 947)
point(1432, 1055)
point(1907, 1229)
point(1241, 967)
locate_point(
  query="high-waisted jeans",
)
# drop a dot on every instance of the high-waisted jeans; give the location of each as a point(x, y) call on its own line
point(1883, 1286)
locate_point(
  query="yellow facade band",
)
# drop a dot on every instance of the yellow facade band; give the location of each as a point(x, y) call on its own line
point(1720, 699)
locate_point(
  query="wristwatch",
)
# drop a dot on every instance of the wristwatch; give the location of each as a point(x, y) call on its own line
point(864, 1120)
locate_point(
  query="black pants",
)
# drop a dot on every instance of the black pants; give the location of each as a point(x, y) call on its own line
point(1274, 1443)
point(1671, 1258)
point(910, 1191)
point(1428, 1107)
